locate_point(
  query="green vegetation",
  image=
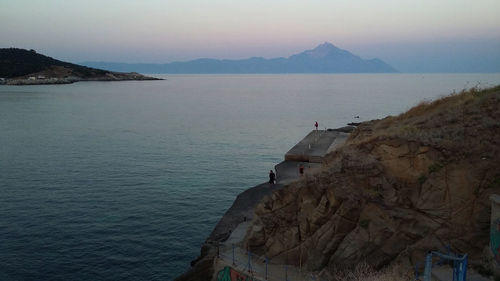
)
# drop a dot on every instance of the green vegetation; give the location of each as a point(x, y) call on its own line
point(435, 168)
point(19, 62)
point(496, 182)
point(364, 223)
point(422, 179)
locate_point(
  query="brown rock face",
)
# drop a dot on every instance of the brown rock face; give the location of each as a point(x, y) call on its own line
point(400, 186)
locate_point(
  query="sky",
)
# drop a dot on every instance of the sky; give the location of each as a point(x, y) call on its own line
point(413, 36)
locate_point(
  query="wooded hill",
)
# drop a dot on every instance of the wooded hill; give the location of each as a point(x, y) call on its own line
point(16, 62)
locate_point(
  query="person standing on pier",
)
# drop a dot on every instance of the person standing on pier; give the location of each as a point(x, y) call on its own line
point(316, 125)
point(272, 177)
point(301, 170)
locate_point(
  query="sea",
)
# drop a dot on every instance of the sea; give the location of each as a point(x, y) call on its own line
point(125, 180)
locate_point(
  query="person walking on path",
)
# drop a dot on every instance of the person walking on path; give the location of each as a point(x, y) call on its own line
point(272, 177)
point(301, 170)
point(316, 137)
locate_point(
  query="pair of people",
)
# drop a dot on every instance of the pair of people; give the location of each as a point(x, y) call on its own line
point(272, 175)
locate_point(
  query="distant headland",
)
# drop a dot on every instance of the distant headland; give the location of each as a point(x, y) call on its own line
point(27, 67)
point(325, 58)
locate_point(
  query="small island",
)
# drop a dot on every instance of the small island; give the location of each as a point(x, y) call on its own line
point(27, 67)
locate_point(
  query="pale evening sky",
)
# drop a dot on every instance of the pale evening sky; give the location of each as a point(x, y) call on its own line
point(407, 34)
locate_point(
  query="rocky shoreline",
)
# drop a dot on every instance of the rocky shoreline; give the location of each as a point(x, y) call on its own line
point(398, 188)
point(241, 211)
point(42, 80)
point(316, 143)
point(27, 67)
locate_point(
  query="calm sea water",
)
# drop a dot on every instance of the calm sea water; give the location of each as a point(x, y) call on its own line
point(125, 180)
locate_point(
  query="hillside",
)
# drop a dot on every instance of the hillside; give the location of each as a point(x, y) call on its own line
point(19, 66)
point(325, 58)
point(399, 187)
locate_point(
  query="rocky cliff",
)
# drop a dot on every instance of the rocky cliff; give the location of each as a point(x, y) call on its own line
point(399, 187)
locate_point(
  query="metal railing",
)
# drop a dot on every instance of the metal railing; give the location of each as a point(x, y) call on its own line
point(458, 262)
point(260, 267)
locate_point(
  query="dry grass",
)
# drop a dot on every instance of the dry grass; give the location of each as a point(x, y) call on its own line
point(363, 272)
point(452, 101)
point(450, 122)
point(460, 128)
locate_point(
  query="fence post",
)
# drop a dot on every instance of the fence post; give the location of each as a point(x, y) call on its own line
point(286, 272)
point(462, 270)
point(456, 270)
point(266, 266)
point(249, 262)
point(428, 267)
point(233, 256)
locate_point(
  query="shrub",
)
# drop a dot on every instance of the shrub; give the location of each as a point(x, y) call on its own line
point(364, 223)
point(422, 179)
point(435, 168)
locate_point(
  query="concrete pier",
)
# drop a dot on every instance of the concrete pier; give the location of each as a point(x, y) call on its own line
point(288, 171)
point(309, 153)
point(314, 146)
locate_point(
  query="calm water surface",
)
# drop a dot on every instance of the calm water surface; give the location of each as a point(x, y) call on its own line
point(125, 180)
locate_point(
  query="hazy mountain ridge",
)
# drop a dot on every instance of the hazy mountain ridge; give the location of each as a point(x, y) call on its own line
point(325, 58)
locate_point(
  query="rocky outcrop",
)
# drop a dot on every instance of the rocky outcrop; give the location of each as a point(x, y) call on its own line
point(61, 75)
point(27, 67)
point(399, 187)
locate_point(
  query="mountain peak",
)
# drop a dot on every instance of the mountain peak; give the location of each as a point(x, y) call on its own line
point(326, 46)
point(324, 50)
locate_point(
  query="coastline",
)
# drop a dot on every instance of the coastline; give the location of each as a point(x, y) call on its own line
point(27, 67)
point(314, 146)
point(110, 77)
point(240, 211)
point(386, 197)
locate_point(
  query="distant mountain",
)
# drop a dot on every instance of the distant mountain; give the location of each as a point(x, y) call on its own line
point(325, 58)
point(22, 67)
